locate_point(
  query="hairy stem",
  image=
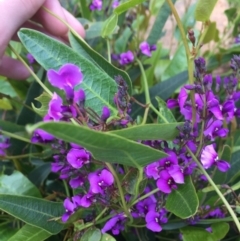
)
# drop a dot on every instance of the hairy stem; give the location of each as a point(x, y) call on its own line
point(221, 196)
point(145, 196)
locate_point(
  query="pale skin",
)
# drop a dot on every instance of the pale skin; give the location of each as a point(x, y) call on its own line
point(15, 14)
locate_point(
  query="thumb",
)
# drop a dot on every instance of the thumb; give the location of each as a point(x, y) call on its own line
point(13, 14)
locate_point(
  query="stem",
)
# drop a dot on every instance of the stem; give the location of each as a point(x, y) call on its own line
point(75, 33)
point(30, 70)
point(147, 96)
point(181, 28)
point(21, 156)
point(230, 210)
point(109, 51)
point(17, 137)
point(145, 82)
point(188, 55)
point(158, 113)
point(145, 196)
point(100, 214)
point(66, 188)
point(120, 190)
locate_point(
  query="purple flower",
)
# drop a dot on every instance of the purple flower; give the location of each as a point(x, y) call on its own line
point(100, 180)
point(152, 170)
point(144, 206)
point(115, 4)
point(126, 58)
point(167, 182)
point(146, 49)
point(4, 144)
point(55, 107)
point(209, 157)
point(30, 58)
point(41, 136)
point(76, 182)
point(87, 200)
point(69, 75)
point(214, 129)
point(96, 5)
point(69, 207)
point(154, 219)
point(116, 224)
point(78, 157)
point(105, 113)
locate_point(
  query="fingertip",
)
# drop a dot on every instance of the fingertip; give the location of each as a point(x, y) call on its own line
point(49, 22)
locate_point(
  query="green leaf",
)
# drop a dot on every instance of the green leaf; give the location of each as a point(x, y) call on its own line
point(231, 14)
point(30, 233)
point(11, 127)
point(5, 104)
point(165, 112)
point(6, 88)
point(107, 237)
point(109, 26)
point(150, 132)
point(211, 34)
point(104, 146)
point(93, 234)
point(157, 30)
point(94, 30)
point(17, 184)
point(83, 49)
point(34, 211)
point(177, 64)
point(44, 99)
point(183, 202)
point(6, 232)
point(126, 6)
point(219, 231)
point(51, 54)
point(204, 9)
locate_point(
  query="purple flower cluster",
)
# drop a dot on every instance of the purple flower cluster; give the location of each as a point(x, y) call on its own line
point(4, 144)
point(210, 113)
point(96, 5)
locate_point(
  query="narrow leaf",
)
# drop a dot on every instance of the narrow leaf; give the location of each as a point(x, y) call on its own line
point(157, 30)
point(150, 132)
point(183, 202)
point(127, 5)
point(109, 25)
point(204, 9)
point(44, 99)
point(103, 145)
point(82, 48)
point(30, 233)
point(51, 54)
point(34, 211)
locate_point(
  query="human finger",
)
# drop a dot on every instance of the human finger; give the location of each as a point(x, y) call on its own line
point(13, 69)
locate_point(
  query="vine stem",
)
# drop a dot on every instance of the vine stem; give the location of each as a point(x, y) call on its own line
point(146, 195)
point(109, 51)
point(120, 190)
point(30, 70)
point(66, 188)
point(221, 196)
point(188, 55)
point(147, 96)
